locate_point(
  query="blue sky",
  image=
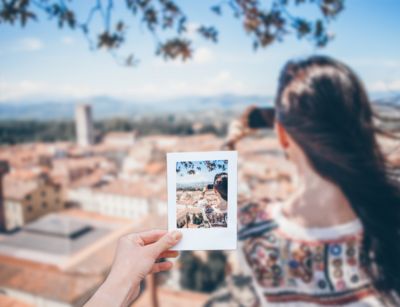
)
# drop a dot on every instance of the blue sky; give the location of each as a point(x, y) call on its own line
point(43, 62)
point(201, 175)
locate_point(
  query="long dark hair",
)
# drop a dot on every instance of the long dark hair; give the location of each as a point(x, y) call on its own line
point(221, 185)
point(324, 107)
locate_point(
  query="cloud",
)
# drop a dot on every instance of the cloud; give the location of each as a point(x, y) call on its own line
point(223, 82)
point(385, 86)
point(28, 89)
point(203, 55)
point(375, 62)
point(191, 30)
point(197, 177)
point(222, 76)
point(67, 40)
point(29, 44)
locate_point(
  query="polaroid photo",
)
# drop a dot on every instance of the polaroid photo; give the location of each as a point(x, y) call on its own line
point(202, 199)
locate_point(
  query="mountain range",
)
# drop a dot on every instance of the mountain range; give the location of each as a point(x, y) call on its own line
point(104, 107)
point(107, 107)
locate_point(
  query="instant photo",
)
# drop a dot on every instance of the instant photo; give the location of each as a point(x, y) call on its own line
point(202, 191)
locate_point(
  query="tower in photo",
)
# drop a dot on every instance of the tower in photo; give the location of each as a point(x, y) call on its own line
point(84, 125)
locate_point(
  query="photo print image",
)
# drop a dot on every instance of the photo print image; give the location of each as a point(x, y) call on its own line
point(202, 194)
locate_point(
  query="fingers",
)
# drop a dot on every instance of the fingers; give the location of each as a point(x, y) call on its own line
point(161, 266)
point(152, 236)
point(169, 254)
point(147, 237)
point(164, 243)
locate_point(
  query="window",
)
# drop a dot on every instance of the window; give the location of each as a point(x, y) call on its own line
point(28, 197)
point(43, 193)
point(29, 208)
point(44, 205)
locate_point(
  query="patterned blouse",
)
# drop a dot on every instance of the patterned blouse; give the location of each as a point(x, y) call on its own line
point(295, 266)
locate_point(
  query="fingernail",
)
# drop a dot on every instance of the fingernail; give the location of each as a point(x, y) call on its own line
point(176, 235)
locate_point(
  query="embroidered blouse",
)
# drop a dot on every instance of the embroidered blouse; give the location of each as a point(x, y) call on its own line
point(295, 266)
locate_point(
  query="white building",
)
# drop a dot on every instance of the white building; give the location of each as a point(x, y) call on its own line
point(133, 200)
point(84, 125)
point(120, 139)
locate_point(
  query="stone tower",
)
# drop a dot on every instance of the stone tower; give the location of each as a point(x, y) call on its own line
point(84, 125)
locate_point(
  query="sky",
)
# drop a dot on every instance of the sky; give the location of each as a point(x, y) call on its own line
point(201, 175)
point(41, 62)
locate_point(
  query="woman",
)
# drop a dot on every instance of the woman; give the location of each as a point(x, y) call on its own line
point(221, 190)
point(202, 204)
point(336, 240)
point(136, 256)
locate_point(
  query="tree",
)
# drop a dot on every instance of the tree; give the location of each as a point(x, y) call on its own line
point(202, 276)
point(266, 23)
point(192, 168)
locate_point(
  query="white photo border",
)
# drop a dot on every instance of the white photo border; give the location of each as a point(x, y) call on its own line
point(204, 238)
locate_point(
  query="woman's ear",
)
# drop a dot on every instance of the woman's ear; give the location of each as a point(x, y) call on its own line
point(282, 135)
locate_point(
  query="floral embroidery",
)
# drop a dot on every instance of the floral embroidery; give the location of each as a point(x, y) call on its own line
point(264, 258)
point(314, 269)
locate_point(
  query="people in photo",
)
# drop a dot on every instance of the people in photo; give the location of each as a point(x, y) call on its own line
point(221, 190)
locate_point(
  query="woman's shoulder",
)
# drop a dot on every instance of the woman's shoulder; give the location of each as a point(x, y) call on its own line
point(256, 217)
point(253, 211)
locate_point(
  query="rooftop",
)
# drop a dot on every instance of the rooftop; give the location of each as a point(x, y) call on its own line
point(90, 180)
point(81, 273)
point(78, 233)
point(47, 283)
point(7, 301)
point(65, 278)
point(173, 298)
point(81, 162)
point(16, 189)
point(134, 189)
point(52, 234)
point(56, 226)
point(120, 134)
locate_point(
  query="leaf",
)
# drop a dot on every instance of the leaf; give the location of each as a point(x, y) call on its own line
point(120, 26)
point(175, 48)
point(216, 9)
point(209, 33)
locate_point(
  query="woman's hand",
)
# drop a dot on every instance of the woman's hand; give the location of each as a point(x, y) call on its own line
point(135, 257)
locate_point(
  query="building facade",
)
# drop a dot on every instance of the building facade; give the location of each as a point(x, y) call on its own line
point(25, 201)
point(119, 199)
point(4, 168)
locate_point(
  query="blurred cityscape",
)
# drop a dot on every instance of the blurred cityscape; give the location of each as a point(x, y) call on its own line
point(93, 94)
point(65, 204)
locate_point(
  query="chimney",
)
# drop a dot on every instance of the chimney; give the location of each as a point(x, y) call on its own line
point(4, 169)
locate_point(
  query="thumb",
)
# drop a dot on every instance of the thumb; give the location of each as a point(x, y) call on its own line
point(165, 242)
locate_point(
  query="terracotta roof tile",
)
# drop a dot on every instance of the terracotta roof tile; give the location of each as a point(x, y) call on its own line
point(139, 188)
point(18, 189)
point(173, 298)
point(51, 284)
point(7, 301)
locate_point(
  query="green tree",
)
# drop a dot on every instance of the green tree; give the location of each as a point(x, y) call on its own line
point(192, 168)
point(202, 276)
point(266, 22)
